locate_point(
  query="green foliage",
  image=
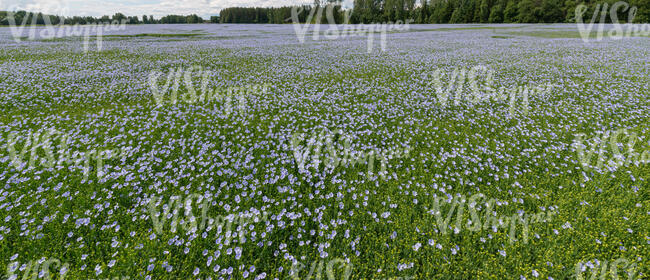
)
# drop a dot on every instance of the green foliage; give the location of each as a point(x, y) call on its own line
point(552, 11)
point(511, 12)
point(643, 12)
point(28, 18)
point(181, 19)
point(485, 11)
point(527, 11)
point(374, 11)
point(496, 15)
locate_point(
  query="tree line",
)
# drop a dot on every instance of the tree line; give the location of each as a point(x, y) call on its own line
point(439, 11)
point(375, 11)
point(29, 18)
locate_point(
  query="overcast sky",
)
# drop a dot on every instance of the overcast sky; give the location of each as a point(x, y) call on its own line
point(158, 8)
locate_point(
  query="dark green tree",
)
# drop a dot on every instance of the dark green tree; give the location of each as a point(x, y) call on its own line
point(527, 11)
point(496, 14)
point(511, 13)
point(485, 11)
point(119, 17)
point(552, 11)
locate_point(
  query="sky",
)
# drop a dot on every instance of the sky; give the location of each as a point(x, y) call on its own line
point(157, 8)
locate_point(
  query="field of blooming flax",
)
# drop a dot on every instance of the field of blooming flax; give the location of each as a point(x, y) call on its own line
point(277, 159)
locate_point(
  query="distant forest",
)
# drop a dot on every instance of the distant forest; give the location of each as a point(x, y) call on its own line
point(375, 11)
point(40, 19)
point(441, 11)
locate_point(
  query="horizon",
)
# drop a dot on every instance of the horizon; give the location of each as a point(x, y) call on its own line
point(158, 8)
